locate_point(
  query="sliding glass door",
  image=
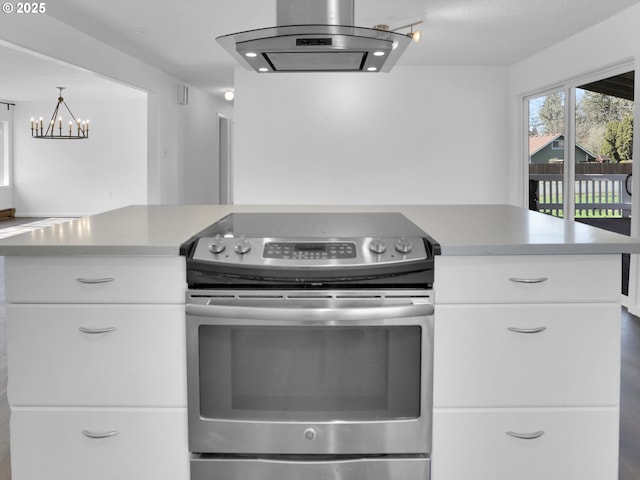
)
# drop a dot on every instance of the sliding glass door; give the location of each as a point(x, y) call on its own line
point(580, 139)
point(580, 153)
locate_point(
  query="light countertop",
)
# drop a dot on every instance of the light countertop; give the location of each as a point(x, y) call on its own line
point(460, 230)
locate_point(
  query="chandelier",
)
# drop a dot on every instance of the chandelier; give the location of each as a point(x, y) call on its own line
point(78, 128)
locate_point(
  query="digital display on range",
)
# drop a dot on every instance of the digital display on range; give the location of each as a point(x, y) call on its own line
point(310, 250)
point(310, 247)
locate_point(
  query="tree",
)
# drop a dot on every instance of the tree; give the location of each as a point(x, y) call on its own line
point(624, 139)
point(594, 112)
point(591, 138)
point(552, 114)
point(600, 109)
point(618, 139)
point(603, 123)
point(608, 147)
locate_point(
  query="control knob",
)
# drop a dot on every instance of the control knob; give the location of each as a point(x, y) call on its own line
point(378, 246)
point(217, 245)
point(242, 246)
point(403, 245)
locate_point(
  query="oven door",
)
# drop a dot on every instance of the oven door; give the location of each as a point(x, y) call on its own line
point(309, 373)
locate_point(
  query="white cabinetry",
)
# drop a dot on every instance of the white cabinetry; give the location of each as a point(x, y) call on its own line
point(97, 381)
point(527, 368)
point(127, 443)
point(576, 444)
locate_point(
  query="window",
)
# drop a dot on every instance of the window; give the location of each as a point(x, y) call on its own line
point(546, 156)
point(5, 146)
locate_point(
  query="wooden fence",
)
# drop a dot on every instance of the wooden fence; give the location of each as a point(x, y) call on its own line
point(601, 189)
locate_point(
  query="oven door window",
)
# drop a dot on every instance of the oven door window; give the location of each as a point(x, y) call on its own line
point(309, 373)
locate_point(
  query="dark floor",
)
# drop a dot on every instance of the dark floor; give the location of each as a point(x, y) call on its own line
point(630, 399)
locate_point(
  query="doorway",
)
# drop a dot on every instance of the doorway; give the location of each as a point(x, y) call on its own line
point(224, 154)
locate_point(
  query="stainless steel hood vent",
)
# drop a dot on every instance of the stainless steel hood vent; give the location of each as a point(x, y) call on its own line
point(316, 36)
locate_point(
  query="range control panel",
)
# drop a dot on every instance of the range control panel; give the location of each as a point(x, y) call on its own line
point(309, 252)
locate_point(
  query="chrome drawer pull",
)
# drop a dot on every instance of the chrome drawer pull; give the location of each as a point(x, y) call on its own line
point(90, 434)
point(526, 436)
point(95, 331)
point(526, 330)
point(528, 280)
point(92, 281)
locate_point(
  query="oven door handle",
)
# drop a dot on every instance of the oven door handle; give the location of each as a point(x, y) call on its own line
point(285, 314)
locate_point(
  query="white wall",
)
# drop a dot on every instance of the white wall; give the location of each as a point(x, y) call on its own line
point(606, 43)
point(80, 177)
point(172, 154)
point(418, 135)
point(415, 135)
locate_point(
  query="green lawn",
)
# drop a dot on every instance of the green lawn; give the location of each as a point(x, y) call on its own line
point(585, 212)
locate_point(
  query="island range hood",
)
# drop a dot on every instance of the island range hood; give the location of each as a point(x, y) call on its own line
point(316, 36)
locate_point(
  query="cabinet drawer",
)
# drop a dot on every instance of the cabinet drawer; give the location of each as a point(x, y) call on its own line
point(528, 279)
point(480, 362)
point(50, 444)
point(574, 445)
point(139, 360)
point(95, 279)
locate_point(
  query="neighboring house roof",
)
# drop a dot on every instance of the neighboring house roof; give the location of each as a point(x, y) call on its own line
point(588, 152)
point(538, 142)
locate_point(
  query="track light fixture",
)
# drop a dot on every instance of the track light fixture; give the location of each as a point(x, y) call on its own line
point(415, 36)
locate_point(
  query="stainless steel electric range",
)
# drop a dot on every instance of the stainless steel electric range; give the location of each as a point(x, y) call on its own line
point(310, 347)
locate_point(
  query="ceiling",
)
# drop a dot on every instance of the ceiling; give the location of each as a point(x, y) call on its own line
point(25, 76)
point(178, 36)
point(618, 86)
